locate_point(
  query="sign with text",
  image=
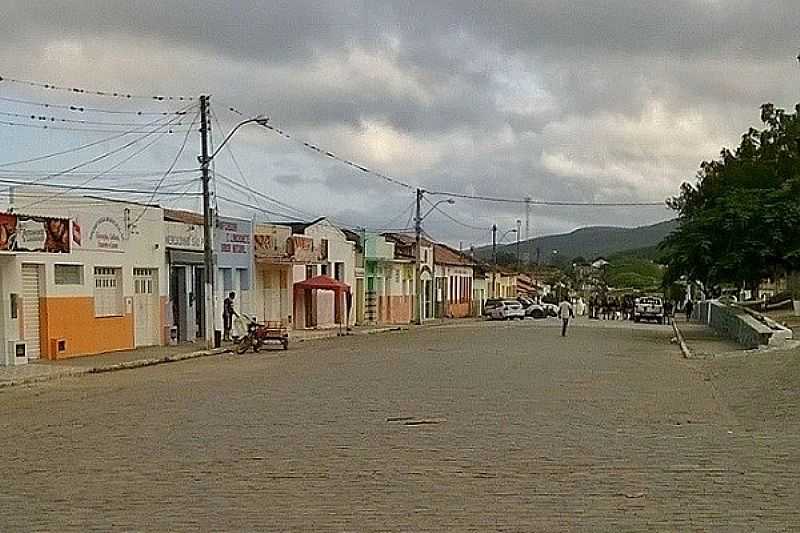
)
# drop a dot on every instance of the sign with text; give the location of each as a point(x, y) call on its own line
point(102, 233)
point(20, 233)
point(233, 244)
point(183, 236)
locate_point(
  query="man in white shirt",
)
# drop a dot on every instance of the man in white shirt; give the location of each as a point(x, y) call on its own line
point(565, 311)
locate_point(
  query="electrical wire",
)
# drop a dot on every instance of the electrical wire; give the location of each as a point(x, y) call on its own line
point(95, 92)
point(94, 189)
point(171, 167)
point(111, 152)
point(230, 150)
point(452, 218)
point(544, 202)
point(264, 196)
point(51, 119)
point(64, 128)
point(84, 109)
point(257, 208)
point(113, 167)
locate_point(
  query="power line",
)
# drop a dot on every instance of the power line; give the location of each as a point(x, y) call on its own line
point(171, 167)
point(52, 119)
point(230, 150)
point(96, 92)
point(395, 181)
point(329, 154)
point(452, 218)
point(115, 166)
point(264, 196)
point(65, 128)
point(544, 202)
point(85, 109)
point(94, 189)
point(109, 153)
point(258, 208)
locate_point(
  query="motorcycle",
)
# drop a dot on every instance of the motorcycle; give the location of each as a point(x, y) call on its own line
point(258, 335)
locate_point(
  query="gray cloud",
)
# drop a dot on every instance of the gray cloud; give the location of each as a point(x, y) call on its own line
point(564, 100)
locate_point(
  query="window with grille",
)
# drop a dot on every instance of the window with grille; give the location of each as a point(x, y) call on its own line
point(227, 280)
point(107, 291)
point(69, 274)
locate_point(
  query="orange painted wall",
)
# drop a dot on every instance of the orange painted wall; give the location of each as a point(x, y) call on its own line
point(394, 309)
point(460, 310)
point(72, 318)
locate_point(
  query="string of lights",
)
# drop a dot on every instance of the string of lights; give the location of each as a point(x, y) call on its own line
point(87, 109)
point(96, 92)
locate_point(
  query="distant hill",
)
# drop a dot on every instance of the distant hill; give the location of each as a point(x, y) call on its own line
point(589, 243)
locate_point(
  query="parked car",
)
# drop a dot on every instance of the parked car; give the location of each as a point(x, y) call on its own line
point(648, 308)
point(550, 309)
point(535, 311)
point(490, 304)
point(508, 310)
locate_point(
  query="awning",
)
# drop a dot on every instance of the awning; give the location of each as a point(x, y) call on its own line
point(323, 283)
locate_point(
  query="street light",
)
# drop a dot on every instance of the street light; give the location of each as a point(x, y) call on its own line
point(419, 308)
point(494, 253)
point(208, 249)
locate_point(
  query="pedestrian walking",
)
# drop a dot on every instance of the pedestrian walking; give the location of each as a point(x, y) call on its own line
point(227, 316)
point(565, 311)
point(689, 308)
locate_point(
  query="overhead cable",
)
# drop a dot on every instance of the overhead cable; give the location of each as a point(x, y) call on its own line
point(95, 92)
point(87, 109)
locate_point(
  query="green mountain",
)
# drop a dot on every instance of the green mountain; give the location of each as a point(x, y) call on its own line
point(589, 243)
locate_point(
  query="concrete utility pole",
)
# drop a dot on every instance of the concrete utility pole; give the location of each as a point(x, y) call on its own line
point(494, 258)
point(208, 247)
point(519, 225)
point(528, 242)
point(419, 307)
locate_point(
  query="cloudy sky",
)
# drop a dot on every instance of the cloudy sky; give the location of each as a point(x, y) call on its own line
point(566, 100)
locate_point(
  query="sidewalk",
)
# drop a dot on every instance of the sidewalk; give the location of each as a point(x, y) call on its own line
point(45, 370)
point(703, 341)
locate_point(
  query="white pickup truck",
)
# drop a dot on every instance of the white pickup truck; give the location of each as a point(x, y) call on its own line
point(648, 308)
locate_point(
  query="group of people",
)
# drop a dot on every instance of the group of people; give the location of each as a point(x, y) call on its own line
point(613, 308)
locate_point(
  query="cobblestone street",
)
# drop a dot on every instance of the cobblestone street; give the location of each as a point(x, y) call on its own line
point(471, 427)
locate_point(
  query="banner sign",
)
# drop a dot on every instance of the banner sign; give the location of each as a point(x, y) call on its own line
point(19, 233)
point(102, 233)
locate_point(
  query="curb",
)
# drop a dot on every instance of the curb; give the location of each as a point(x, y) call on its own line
point(687, 352)
point(127, 365)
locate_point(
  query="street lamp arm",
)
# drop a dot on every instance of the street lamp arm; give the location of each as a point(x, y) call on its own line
point(448, 201)
point(259, 120)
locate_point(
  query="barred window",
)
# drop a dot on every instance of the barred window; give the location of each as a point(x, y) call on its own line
point(108, 291)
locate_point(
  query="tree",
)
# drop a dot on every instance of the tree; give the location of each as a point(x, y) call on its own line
point(739, 221)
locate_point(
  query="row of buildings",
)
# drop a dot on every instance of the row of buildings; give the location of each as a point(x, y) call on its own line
point(85, 275)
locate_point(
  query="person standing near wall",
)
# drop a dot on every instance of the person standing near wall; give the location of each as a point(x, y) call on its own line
point(227, 316)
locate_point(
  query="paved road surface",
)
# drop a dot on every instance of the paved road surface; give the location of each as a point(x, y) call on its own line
point(606, 430)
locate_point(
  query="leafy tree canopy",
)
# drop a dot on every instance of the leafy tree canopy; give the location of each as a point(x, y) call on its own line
point(740, 220)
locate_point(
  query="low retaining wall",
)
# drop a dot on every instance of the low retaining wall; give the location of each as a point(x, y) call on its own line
point(748, 328)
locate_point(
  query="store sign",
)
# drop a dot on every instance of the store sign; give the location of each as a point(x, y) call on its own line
point(183, 236)
point(99, 233)
point(301, 248)
point(270, 242)
point(20, 233)
point(233, 244)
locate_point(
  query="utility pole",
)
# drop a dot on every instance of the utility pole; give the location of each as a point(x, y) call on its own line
point(208, 226)
point(528, 228)
point(494, 258)
point(519, 224)
point(419, 307)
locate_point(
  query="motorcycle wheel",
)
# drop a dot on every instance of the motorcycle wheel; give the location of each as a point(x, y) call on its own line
point(257, 346)
point(244, 345)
